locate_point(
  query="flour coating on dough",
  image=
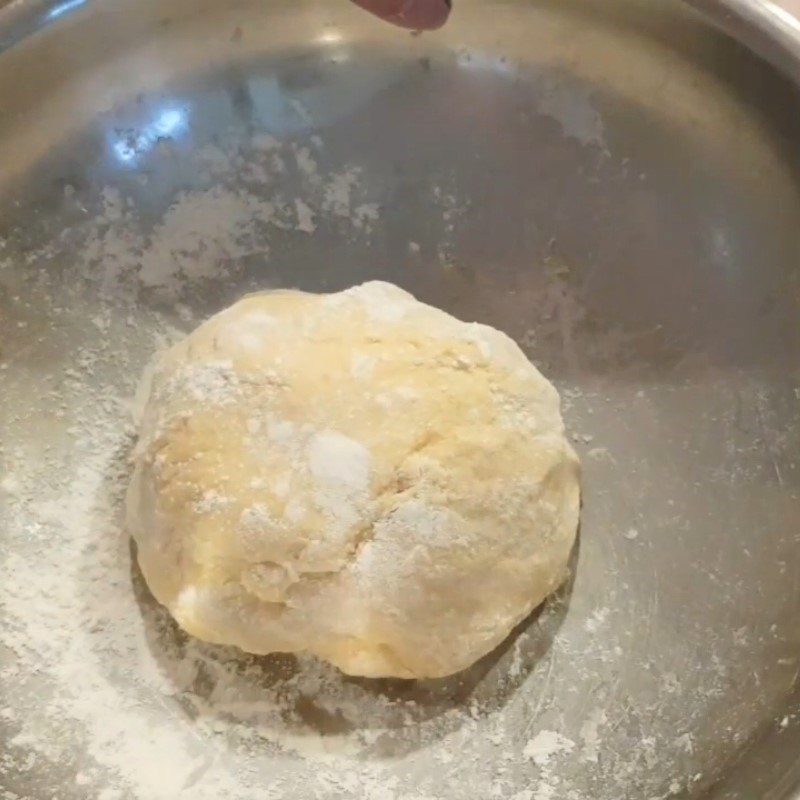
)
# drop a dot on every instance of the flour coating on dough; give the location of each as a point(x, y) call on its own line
point(356, 475)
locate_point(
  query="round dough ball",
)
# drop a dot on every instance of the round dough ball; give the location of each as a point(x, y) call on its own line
point(355, 475)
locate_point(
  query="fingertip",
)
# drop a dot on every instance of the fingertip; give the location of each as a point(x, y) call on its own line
point(412, 14)
point(429, 14)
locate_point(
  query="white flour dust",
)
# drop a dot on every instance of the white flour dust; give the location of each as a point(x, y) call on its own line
point(103, 698)
point(160, 716)
point(101, 691)
point(241, 203)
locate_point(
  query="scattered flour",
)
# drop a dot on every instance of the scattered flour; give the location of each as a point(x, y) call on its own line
point(210, 232)
point(545, 745)
point(335, 460)
point(101, 696)
point(202, 233)
point(590, 735)
point(337, 197)
point(305, 217)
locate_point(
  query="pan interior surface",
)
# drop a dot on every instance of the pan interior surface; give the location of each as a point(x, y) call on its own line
point(614, 184)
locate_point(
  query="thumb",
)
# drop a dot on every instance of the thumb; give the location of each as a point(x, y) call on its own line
point(415, 14)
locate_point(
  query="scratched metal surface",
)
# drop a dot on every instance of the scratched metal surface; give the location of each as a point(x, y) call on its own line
point(615, 184)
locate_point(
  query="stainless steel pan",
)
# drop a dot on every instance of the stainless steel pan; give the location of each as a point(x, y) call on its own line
point(614, 183)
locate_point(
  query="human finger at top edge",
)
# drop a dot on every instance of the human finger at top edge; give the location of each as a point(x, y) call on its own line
point(414, 14)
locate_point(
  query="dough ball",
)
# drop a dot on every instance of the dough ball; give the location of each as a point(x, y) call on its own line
point(355, 475)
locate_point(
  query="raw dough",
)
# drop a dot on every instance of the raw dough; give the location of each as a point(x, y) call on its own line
point(355, 475)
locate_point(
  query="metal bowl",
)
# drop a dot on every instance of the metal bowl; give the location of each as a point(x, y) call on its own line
point(614, 184)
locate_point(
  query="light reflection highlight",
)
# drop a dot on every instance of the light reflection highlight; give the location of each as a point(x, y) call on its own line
point(63, 8)
point(170, 123)
point(330, 36)
point(786, 17)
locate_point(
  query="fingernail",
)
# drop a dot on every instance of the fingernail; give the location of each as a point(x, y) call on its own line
point(425, 14)
point(414, 14)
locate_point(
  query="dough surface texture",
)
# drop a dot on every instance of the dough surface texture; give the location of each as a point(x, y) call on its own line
point(356, 475)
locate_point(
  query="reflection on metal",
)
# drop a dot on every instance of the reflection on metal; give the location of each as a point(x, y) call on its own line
point(63, 8)
point(770, 27)
point(625, 204)
point(783, 15)
point(330, 36)
point(170, 123)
